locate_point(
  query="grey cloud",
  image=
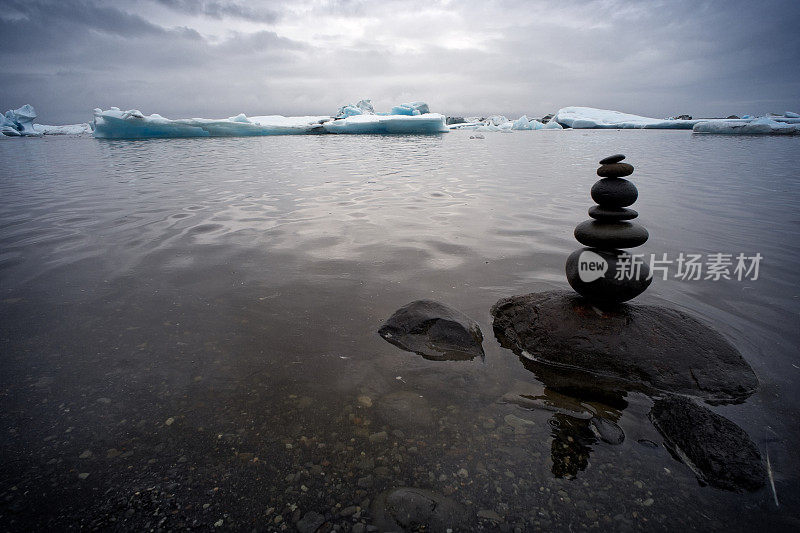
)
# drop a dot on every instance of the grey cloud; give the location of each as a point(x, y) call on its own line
point(512, 57)
point(219, 10)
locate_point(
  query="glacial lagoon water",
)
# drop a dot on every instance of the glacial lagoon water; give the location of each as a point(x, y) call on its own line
point(188, 328)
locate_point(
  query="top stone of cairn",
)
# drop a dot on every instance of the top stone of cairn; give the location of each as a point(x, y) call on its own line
point(610, 160)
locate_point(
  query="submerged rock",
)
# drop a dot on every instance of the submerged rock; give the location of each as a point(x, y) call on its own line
point(718, 451)
point(435, 331)
point(412, 509)
point(639, 347)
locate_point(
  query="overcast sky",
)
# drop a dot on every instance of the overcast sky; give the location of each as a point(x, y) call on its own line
point(190, 58)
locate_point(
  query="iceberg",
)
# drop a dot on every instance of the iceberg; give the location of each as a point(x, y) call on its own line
point(413, 108)
point(524, 123)
point(19, 122)
point(759, 126)
point(363, 107)
point(379, 124)
point(133, 124)
point(352, 118)
point(589, 117)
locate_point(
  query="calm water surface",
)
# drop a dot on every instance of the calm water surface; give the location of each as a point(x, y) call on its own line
point(192, 323)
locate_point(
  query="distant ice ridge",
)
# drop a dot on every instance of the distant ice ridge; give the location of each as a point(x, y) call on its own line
point(591, 118)
point(353, 118)
point(502, 124)
point(759, 126)
point(133, 124)
point(19, 123)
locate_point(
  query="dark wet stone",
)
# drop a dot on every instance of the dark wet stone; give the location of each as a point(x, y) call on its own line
point(310, 522)
point(614, 192)
point(435, 331)
point(610, 160)
point(639, 347)
point(612, 214)
point(615, 170)
point(607, 289)
point(607, 431)
point(597, 234)
point(718, 451)
point(413, 509)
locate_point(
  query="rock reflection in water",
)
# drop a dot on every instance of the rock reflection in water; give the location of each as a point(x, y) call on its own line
point(587, 406)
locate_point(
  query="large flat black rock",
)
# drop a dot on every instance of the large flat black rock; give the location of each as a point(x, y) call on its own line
point(642, 347)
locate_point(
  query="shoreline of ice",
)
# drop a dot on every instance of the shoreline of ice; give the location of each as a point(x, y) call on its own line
point(362, 119)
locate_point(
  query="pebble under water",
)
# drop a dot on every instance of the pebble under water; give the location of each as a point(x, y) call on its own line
point(189, 330)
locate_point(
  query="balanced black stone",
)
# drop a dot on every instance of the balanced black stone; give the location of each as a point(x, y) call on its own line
point(610, 160)
point(612, 214)
point(614, 192)
point(603, 272)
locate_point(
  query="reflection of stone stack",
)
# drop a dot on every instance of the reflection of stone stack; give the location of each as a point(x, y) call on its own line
point(602, 271)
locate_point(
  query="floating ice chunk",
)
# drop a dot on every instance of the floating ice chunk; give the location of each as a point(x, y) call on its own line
point(68, 129)
point(133, 124)
point(759, 126)
point(524, 123)
point(363, 107)
point(790, 114)
point(497, 120)
point(553, 124)
point(412, 108)
point(425, 123)
point(19, 122)
point(589, 117)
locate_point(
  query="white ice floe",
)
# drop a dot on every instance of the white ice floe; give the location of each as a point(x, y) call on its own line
point(133, 124)
point(356, 118)
point(68, 129)
point(365, 124)
point(759, 126)
point(589, 117)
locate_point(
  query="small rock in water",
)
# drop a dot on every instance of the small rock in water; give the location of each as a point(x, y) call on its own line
point(83, 475)
point(380, 436)
point(435, 331)
point(407, 508)
point(169, 421)
point(310, 522)
point(365, 401)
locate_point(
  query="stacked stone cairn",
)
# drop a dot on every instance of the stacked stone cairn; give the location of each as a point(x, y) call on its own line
point(602, 272)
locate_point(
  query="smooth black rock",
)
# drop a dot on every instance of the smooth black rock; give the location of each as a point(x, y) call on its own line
point(435, 331)
point(615, 170)
point(610, 160)
point(612, 214)
point(643, 348)
point(413, 509)
point(621, 234)
point(614, 192)
point(718, 451)
point(606, 289)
